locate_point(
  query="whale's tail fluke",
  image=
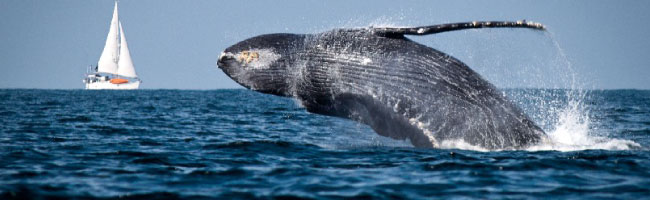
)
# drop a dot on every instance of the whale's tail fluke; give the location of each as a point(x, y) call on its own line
point(425, 30)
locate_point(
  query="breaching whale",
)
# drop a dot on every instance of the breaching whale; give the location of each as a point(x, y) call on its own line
point(377, 76)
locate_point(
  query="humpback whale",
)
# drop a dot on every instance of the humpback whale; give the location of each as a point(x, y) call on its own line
point(377, 76)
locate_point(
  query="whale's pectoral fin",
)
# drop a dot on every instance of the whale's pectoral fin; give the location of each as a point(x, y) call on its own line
point(425, 30)
point(382, 119)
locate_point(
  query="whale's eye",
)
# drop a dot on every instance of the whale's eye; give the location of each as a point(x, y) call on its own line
point(246, 57)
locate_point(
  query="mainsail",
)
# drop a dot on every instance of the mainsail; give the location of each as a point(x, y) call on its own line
point(116, 58)
point(108, 60)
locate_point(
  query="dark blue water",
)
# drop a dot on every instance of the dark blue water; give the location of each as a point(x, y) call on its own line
point(237, 144)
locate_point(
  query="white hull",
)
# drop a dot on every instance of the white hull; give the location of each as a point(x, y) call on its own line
point(106, 85)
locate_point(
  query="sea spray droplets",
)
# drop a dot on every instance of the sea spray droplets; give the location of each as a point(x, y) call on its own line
point(573, 126)
point(572, 133)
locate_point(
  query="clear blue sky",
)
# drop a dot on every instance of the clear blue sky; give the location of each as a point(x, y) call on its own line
point(175, 44)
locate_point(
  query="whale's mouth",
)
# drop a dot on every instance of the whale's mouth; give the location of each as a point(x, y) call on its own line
point(225, 59)
point(227, 62)
point(221, 56)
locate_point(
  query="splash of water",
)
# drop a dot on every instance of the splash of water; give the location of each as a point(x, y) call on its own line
point(572, 130)
point(572, 133)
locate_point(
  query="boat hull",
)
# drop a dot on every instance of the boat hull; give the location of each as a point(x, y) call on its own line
point(107, 85)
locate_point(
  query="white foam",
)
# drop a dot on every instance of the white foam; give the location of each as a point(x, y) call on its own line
point(460, 144)
point(572, 133)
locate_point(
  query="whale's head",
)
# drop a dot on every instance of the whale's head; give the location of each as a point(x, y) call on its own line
point(262, 63)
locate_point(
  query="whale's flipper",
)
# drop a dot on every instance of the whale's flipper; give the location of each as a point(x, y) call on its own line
point(425, 30)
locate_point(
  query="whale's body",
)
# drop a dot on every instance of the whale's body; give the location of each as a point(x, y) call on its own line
point(400, 88)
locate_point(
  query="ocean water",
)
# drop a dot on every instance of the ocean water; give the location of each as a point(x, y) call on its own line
point(238, 144)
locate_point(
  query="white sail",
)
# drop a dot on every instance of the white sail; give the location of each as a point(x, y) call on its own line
point(108, 60)
point(125, 64)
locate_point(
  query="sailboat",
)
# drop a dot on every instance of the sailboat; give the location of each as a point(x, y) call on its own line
point(114, 70)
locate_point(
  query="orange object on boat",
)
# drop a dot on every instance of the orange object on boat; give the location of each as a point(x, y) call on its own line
point(119, 81)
